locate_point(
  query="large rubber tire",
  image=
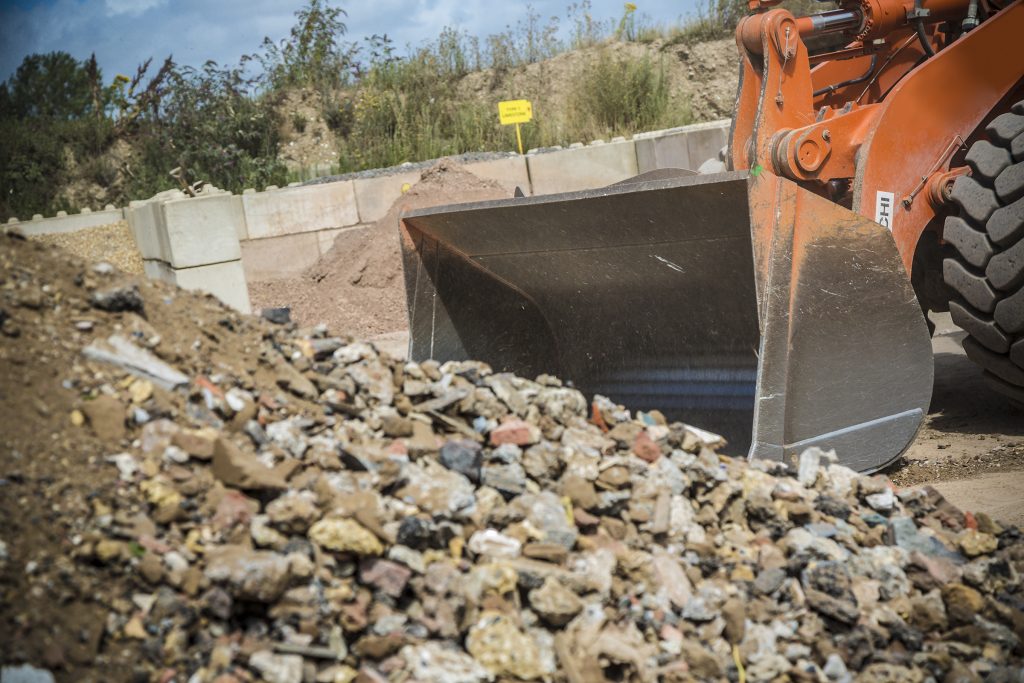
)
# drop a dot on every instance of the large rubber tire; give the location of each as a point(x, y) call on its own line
point(986, 268)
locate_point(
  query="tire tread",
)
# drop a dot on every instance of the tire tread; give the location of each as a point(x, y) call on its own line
point(985, 267)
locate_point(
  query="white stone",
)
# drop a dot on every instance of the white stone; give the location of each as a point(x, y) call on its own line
point(494, 544)
point(277, 668)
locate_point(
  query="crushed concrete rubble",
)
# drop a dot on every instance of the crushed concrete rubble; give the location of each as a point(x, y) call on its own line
point(303, 509)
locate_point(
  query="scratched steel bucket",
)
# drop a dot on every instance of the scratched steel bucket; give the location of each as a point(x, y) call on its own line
point(660, 292)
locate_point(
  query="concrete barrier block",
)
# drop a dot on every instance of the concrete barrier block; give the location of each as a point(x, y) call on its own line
point(583, 168)
point(668, 151)
point(226, 281)
point(202, 230)
point(241, 228)
point(146, 222)
point(279, 258)
point(374, 196)
point(510, 172)
point(71, 223)
point(706, 142)
point(300, 209)
point(158, 270)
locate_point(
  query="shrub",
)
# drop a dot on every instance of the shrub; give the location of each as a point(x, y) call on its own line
point(617, 94)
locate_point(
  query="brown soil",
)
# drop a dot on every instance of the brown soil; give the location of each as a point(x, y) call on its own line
point(54, 610)
point(112, 243)
point(357, 288)
point(971, 447)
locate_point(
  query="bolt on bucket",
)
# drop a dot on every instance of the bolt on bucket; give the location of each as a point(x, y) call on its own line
point(743, 305)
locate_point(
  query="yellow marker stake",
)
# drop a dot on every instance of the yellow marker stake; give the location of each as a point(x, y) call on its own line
point(516, 112)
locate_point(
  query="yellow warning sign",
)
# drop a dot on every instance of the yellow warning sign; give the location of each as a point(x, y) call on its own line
point(515, 111)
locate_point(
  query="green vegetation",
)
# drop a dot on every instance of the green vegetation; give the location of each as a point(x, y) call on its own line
point(63, 127)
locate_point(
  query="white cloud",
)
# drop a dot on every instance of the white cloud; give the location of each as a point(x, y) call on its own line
point(131, 7)
point(124, 33)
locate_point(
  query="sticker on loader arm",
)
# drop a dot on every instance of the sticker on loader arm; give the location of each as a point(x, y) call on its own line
point(884, 208)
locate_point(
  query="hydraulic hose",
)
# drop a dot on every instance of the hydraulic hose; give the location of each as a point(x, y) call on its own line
point(852, 81)
point(919, 15)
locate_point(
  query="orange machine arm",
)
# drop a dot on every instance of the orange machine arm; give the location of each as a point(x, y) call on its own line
point(876, 125)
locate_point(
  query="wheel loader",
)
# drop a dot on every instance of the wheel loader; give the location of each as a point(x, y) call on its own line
point(782, 303)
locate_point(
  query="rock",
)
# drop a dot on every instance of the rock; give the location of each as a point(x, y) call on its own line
point(122, 353)
point(734, 612)
point(809, 466)
point(118, 299)
point(770, 580)
point(437, 491)
point(238, 469)
point(25, 673)
point(516, 432)
point(509, 479)
point(501, 648)
point(646, 448)
point(390, 578)
point(278, 316)
point(105, 415)
point(974, 543)
point(669, 579)
point(962, 603)
point(702, 664)
point(275, 668)
point(882, 502)
point(290, 379)
point(494, 544)
point(462, 456)
point(905, 534)
point(844, 611)
point(548, 515)
point(433, 661)
point(256, 575)
point(198, 443)
point(293, 512)
point(345, 536)
point(835, 669)
point(556, 604)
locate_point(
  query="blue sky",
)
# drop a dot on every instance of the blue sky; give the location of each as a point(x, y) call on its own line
point(124, 33)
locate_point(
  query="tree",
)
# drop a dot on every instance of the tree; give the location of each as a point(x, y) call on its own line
point(314, 55)
point(54, 85)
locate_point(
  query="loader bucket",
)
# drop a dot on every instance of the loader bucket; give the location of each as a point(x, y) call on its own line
point(745, 305)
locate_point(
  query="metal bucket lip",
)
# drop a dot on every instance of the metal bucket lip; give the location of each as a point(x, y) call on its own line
point(623, 187)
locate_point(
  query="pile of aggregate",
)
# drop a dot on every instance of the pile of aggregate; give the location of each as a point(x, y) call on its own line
point(189, 494)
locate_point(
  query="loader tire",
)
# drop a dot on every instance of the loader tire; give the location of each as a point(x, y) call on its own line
point(985, 270)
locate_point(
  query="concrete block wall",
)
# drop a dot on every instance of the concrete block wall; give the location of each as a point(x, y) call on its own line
point(685, 147)
point(218, 241)
point(285, 231)
point(582, 167)
point(64, 222)
point(193, 242)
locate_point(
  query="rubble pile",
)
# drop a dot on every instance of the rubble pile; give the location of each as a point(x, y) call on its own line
point(290, 506)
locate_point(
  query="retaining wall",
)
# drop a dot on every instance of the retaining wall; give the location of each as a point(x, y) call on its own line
point(286, 230)
point(65, 222)
point(219, 241)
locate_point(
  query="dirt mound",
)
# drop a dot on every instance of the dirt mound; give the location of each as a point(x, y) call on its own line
point(357, 288)
point(189, 494)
